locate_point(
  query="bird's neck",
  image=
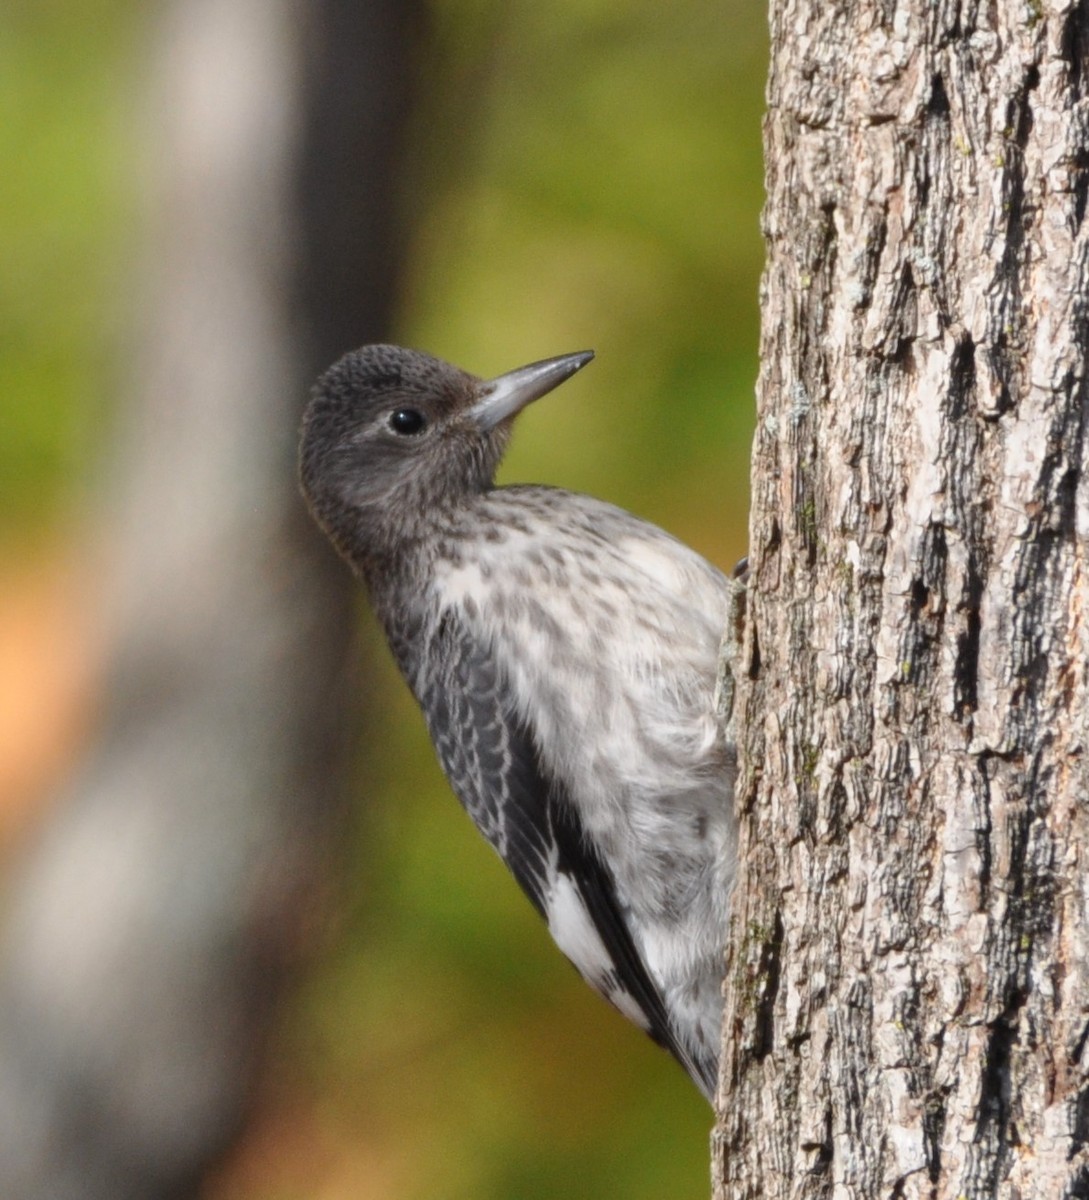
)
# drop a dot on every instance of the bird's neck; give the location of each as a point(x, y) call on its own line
point(394, 570)
point(397, 562)
point(400, 571)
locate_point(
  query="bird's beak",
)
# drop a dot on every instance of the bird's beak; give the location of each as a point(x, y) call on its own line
point(508, 394)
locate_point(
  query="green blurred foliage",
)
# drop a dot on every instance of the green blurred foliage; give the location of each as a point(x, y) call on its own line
point(603, 191)
point(67, 80)
point(586, 174)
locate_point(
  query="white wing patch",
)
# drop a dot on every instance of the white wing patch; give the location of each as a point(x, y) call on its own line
point(573, 931)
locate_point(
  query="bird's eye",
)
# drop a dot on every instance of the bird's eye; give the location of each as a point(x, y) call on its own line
point(407, 420)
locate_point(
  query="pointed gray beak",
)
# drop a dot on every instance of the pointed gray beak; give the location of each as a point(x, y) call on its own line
point(508, 394)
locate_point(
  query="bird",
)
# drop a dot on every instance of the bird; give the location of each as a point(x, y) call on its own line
point(564, 653)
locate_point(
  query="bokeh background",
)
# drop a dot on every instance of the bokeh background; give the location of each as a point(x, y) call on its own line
point(537, 179)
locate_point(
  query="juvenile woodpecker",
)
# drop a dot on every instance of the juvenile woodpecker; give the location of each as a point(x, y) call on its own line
point(564, 653)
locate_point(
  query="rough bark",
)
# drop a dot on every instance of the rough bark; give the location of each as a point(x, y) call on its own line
point(152, 928)
point(908, 974)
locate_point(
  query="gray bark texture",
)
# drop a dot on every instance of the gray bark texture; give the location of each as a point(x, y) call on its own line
point(907, 1009)
point(149, 932)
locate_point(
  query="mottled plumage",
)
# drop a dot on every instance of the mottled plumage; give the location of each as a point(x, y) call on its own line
point(564, 654)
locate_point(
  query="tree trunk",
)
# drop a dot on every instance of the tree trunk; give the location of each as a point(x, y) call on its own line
point(907, 1006)
point(152, 928)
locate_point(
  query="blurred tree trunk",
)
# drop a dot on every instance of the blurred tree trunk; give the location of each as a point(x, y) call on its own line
point(149, 931)
point(908, 975)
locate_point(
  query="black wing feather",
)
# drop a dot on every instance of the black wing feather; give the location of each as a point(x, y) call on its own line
point(495, 769)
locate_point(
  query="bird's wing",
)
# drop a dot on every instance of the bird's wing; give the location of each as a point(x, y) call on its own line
point(493, 766)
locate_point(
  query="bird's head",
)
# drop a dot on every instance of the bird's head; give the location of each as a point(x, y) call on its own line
point(393, 436)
